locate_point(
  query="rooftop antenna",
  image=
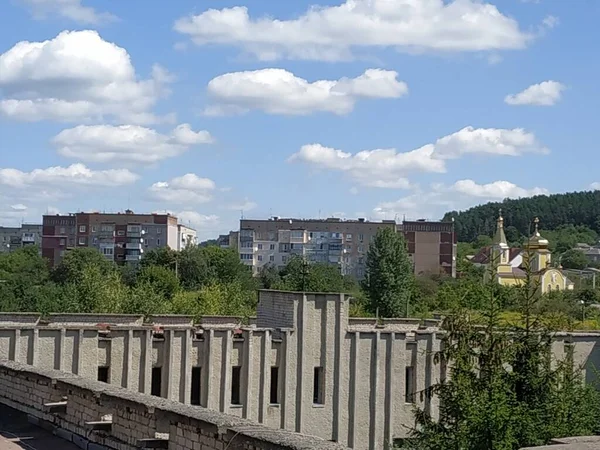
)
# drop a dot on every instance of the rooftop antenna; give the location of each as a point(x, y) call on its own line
point(242, 214)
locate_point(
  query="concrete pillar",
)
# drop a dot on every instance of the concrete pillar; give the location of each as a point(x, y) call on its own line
point(265, 381)
point(339, 331)
point(128, 360)
point(249, 408)
point(186, 354)
point(207, 386)
point(301, 358)
point(35, 345)
point(61, 349)
point(79, 351)
point(17, 346)
point(353, 412)
point(226, 372)
point(148, 356)
point(167, 365)
point(374, 403)
point(390, 391)
point(286, 378)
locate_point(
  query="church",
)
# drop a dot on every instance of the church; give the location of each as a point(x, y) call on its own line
point(507, 266)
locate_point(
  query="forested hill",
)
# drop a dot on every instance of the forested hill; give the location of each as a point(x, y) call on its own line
point(576, 208)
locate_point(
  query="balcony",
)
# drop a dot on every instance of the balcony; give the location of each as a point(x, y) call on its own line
point(133, 246)
point(133, 257)
point(28, 238)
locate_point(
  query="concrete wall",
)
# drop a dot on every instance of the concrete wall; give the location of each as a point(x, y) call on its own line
point(369, 372)
point(130, 419)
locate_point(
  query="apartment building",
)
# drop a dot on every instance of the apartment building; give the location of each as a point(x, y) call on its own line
point(13, 238)
point(120, 237)
point(431, 245)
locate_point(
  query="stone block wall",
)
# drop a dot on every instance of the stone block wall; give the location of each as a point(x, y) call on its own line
point(131, 417)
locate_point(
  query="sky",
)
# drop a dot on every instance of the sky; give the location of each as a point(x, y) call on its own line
point(215, 110)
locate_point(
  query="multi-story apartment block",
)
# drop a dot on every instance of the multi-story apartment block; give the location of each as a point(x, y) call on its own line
point(120, 237)
point(13, 238)
point(345, 243)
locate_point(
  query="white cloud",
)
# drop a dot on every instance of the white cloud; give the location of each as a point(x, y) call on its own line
point(550, 22)
point(63, 177)
point(333, 32)
point(595, 186)
point(498, 190)
point(76, 76)
point(277, 91)
point(388, 168)
point(440, 199)
point(546, 93)
point(126, 143)
point(189, 188)
point(18, 207)
point(69, 9)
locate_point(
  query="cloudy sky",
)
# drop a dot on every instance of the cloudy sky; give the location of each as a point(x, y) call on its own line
point(217, 108)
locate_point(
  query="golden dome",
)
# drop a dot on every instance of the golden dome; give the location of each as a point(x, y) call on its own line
point(536, 240)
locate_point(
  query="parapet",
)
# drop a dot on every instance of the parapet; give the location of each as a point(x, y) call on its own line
point(109, 417)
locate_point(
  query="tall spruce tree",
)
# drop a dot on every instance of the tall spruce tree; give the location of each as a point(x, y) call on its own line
point(504, 391)
point(389, 275)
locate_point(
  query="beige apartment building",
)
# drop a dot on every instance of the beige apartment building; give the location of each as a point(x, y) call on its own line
point(301, 365)
point(345, 243)
point(120, 237)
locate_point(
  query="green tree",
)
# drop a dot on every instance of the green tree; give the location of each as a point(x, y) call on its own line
point(76, 261)
point(389, 276)
point(574, 259)
point(161, 280)
point(300, 275)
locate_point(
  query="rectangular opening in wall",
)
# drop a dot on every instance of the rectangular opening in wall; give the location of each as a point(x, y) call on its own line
point(103, 374)
point(409, 385)
point(196, 377)
point(318, 387)
point(236, 380)
point(274, 396)
point(156, 388)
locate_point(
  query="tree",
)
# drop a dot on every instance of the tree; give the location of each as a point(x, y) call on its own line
point(389, 276)
point(574, 259)
point(300, 275)
point(160, 280)
point(76, 261)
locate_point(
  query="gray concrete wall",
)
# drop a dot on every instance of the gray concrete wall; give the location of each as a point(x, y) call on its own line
point(364, 364)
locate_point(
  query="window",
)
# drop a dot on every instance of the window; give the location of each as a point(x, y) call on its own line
point(157, 241)
point(156, 382)
point(63, 242)
point(271, 258)
point(297, 234)
point(409, 385)
point(318, 387)
point(348, 237)
point(260, 257)
point(274, 396)
point(81, 241)
point(272, 247)
point(361, 237)
point(247, 244)
point(284, 259)
point(158, 231)
point(236, 373)
point(103, 374)
point(134, 228)
point(259, 246)
point(82, 228)
point(361, 249)
point(94, 228)
point(62, 230)
point(349, 247)
point(108, 251)
point(246, 256)
point(196, 377)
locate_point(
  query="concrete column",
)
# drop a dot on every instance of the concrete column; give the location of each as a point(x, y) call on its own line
point(17, 346)
point(337, 369)
point(390, 390)
point(374, 405)
point(399, 363)
point(249, 408)
point(186, 354)
point(208, 369)
point(61, 349)
point(422, 374)
point(35, 347)
point(226, 372)
point(285, 378)
point(168, 363)
point(301, 358)
point(128, 359)
point(435, 374)
point(353, 410)
point(79, 351)
point(147, 388)
point(265, 365)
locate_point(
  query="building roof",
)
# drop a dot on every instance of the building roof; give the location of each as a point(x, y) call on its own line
point(483, 257)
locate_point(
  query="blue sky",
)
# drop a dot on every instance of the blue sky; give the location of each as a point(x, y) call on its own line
point(374, 108)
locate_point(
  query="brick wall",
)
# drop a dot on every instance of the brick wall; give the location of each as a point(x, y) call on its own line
point(133, 416)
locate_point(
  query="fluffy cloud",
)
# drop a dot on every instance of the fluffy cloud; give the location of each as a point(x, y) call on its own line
point(333, 32)
point(61, 177)
point(126, 143)
point(463, 194)
point(189, 188)
point(69, 9)
point(76, 76)
point(595, 186)
point(246, 205)
point(546, 93)
point(388, 168)
point(277, 91)
point(498, 190)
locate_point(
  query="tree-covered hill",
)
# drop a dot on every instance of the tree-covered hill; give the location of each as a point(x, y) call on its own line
point(576, 208)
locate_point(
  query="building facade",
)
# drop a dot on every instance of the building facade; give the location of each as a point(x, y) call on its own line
point(301, 365)
point(120, 237)
point(345, 243)
point(13, 238)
